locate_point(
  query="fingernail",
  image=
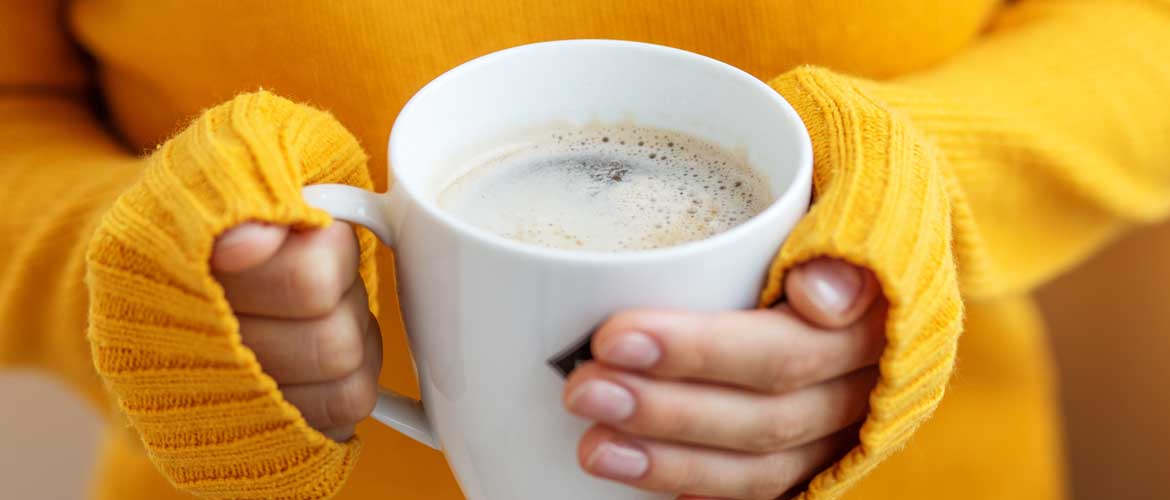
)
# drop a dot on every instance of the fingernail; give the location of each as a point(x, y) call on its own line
point(601, 400)
point(632, 350)
point(618, 461)
point(833, 285)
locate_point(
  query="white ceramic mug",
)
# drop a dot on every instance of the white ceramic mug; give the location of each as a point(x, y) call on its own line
point(494, 324)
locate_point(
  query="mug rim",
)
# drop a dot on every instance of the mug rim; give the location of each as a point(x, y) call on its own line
point(803, 175)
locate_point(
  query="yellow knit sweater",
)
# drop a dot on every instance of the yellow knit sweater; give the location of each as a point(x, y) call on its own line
point(965, 151)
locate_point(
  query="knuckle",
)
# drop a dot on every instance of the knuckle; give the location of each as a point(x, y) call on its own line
point(804, 369)
point(667, 420)
point(314, 283)
point(686, 475)
point(339, 345)
point(788, 371)
point(353, 401)
point(708, 352)
point(765, 488)
point(776, 478)
point(776, 431)
point(678, 424)
point(715, 347)
point(772, 376)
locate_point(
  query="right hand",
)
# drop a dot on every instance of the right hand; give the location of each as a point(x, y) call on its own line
point(303, 311)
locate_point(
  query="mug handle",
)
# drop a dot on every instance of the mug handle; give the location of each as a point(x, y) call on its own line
point(351, 204)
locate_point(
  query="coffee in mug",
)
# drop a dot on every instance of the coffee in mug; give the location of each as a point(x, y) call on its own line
point(607, 188)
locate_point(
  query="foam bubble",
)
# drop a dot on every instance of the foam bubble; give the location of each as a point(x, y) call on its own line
point(593, 189)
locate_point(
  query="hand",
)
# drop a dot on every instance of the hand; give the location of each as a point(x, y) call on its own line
point(738, 405)
point(303, 311)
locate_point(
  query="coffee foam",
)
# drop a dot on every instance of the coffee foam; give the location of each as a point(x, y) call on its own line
point(608, 189)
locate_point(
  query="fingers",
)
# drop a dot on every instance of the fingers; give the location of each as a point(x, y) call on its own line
point(771, 351)
point(314, 350)
point(830, 293)
point(717, 416)
point(246, 246)
point(304, 313)
point(738, 405)
point(305, 278)
point(704, 472)
point(337, 405)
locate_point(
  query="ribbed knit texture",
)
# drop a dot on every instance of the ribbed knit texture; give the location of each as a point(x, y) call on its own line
point(987, 164)
point(911, 176)
point(881, 203)
point(164, 338)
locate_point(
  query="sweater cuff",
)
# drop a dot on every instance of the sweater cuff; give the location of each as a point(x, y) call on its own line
point(881, 202)
point(162, 334)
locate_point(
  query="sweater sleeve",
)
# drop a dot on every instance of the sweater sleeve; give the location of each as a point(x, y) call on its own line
point(979, 178)
point(59, 170)
point(163, 336)
point(80, 209)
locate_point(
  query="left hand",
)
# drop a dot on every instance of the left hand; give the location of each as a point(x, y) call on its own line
point(737, 405)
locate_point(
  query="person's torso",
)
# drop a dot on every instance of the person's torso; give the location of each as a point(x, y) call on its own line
point(161, 62)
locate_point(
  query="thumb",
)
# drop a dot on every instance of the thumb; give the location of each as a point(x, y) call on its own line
point(246, 246)
point(830, 293)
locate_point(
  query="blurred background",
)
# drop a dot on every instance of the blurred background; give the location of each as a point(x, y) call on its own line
point(1109, 322)
point(1110, 326)
point(48, 440)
